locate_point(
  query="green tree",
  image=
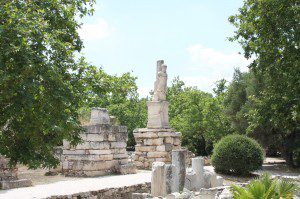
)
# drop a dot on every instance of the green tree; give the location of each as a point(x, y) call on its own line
point(269, 32)
point(40, 87)
point(198, 116)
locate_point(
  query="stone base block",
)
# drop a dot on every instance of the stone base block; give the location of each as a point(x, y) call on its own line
point(11, 184)
point(129, 168)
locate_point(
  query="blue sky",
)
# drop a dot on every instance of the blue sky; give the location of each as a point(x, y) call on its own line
point(191, 36)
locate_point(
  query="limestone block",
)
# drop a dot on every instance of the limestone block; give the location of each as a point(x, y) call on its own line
point(119, 150)
point(158, 179)
point(207, 179)
point(66, 144)
point(111, 137)
point(169, 140)
point(120, 156)
point(145, 148)
point(178, 160)
point(160, 160)
point(106, 128)
point(161, 148)
point(225, 194)
point(139, 164)
point(145, 135)
point(154, 142)
point(127, 169)
point(99, 152)
point(99, 145)
point(166, 134)
point(121, 137)
point(158, 114)
point(94, 137)
point(73, 152)
point(157, 154)
point(219, 181)
point(176, 141)
point(190, 180)
point(118, 144)
point(95, 166)
point(11, 184)
point(93, 129)
point(99, 116)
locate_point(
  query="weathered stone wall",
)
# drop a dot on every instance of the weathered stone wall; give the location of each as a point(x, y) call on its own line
point(111, 193)
point(103, 150)
point(6, 172)
point(154, 145)
point(9, 176)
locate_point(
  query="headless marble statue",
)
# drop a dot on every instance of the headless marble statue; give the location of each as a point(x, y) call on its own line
point(160, 86)
point(158, 107)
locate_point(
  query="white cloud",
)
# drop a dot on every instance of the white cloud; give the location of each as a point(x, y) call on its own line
point(97, 30)
point(209, 65)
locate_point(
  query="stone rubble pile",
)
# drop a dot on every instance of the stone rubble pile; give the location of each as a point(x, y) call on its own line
point(102, 152)
point(9, 176)
point(176, 181)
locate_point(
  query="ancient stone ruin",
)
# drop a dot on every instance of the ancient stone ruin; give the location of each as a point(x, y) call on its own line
point(102, 152)
point(176, 181)
point(9, 176)
point(156, 142)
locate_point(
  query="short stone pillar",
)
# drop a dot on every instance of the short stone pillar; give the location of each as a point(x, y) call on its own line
point(170, 171)
point(102, 152)
point(190, 180)
point(198, 167)
point(158, 180)
point(9, 176)
point(178, 160)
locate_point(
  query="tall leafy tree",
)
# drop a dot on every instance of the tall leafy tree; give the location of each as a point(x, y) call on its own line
point(269, 32)
point(40, 79)
point(198, 115)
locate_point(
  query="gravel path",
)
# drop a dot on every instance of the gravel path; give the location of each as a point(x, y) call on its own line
point(76, 186)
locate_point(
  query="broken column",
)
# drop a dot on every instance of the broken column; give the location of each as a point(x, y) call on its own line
point(9, 176)
point(170, 171)
point(178, 160)
point(198, 167)
point(158, 179)
point(102, 152)
point(156, 142)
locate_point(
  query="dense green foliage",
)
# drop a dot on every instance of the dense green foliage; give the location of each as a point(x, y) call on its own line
point(40, 87)
point(237, 154)
point(265, 188)
point(269, 32)
point(198, 116)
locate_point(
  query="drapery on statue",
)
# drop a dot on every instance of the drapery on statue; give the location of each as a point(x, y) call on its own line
point(160, 86)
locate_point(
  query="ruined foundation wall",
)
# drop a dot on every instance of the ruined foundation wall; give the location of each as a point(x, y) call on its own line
point(102, 152)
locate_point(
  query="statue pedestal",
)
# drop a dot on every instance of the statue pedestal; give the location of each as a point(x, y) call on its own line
point(154, 145)
point(158, 115)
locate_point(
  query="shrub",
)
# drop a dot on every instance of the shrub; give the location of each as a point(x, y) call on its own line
point(237, 154)
point(265, 188)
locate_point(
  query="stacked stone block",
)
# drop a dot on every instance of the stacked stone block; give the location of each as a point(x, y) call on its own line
point(155, 145)
point(9, 176)
point(102, 152)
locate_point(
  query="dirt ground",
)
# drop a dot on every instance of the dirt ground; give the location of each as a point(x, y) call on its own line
point(275, 166)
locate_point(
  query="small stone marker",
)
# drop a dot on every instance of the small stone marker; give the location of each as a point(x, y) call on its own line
point(170, 177)
point(158, 179)
point(198, 167)
point(178, 160)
